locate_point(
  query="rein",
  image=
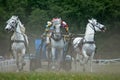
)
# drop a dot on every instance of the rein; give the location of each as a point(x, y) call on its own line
point(93, 27)
point(18, 41)
point(89, 42)
point(56, 39)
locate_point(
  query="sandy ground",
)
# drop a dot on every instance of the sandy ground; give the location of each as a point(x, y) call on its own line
point(97, 68)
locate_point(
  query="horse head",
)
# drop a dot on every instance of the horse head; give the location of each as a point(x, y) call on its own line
point(57, 25)
point(96, 26)
point(12, 23)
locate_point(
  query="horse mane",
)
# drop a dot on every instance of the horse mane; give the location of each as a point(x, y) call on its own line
point(22, 28)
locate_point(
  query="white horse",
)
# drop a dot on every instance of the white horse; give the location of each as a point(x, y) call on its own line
point(85, 46)
point(19, 40)
point(57, 44)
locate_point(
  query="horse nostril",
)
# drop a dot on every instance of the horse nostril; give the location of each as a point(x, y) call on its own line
point(7, 29)
point(103, 29)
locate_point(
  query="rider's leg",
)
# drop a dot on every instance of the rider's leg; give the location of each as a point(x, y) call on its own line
point(47, 41)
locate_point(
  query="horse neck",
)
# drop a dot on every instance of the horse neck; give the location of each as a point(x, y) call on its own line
point(89, 34)
point(18, 35)
point(57, 28)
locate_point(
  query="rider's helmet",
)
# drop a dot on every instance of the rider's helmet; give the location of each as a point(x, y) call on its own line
point(49, 23)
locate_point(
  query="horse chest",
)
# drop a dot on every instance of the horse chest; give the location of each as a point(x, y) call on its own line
point(18, 46)
point(59, 43)
point(89, 47)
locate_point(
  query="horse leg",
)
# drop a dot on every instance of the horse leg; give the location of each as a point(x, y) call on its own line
point(75, 63)
point(85, 60)
point(91, 65)
point(76, 60)
point(21, 60)
point(91, 61)
point(15, 56)
point(60, 59)
point(53, 58)
point(48, 55)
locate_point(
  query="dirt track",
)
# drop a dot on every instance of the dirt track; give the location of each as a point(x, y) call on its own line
point(97, 68)
point(100, 68)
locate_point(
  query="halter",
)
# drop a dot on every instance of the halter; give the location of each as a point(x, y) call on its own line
point(57, 36)
point(54, 34)
point(90, 42)
point(14, 29)
point(56, 39)
point(93, 26)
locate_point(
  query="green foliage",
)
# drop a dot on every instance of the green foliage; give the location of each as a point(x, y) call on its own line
point(35, 13)
point(37, 21)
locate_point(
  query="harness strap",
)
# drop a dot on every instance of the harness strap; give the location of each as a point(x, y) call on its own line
point(89, 42)
point(18, 41)
point(25, 42)
point(56, 39)
point(83, 41)
point(93, 27)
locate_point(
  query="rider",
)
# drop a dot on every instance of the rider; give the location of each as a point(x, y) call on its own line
point(50, 26)
point(64, 25)
point(48, 31)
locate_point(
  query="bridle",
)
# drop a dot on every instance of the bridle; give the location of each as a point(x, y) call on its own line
point(13, 28)
point(95, 25)
point(54, 33)
point(84, 41)
point(13, 25)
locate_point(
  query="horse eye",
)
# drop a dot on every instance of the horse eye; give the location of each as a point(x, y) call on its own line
point(13, 22)
point(97, 23)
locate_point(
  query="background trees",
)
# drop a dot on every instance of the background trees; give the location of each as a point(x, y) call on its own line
point(35, 13)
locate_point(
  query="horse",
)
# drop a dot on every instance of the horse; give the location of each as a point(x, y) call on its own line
point(85, 46)
point(19, 41)
point(57, 45)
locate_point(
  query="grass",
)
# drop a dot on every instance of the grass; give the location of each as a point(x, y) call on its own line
point(58, 76)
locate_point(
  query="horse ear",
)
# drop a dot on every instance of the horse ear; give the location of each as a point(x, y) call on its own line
point(93, 19)
point(90, 21)
point(17, 17)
